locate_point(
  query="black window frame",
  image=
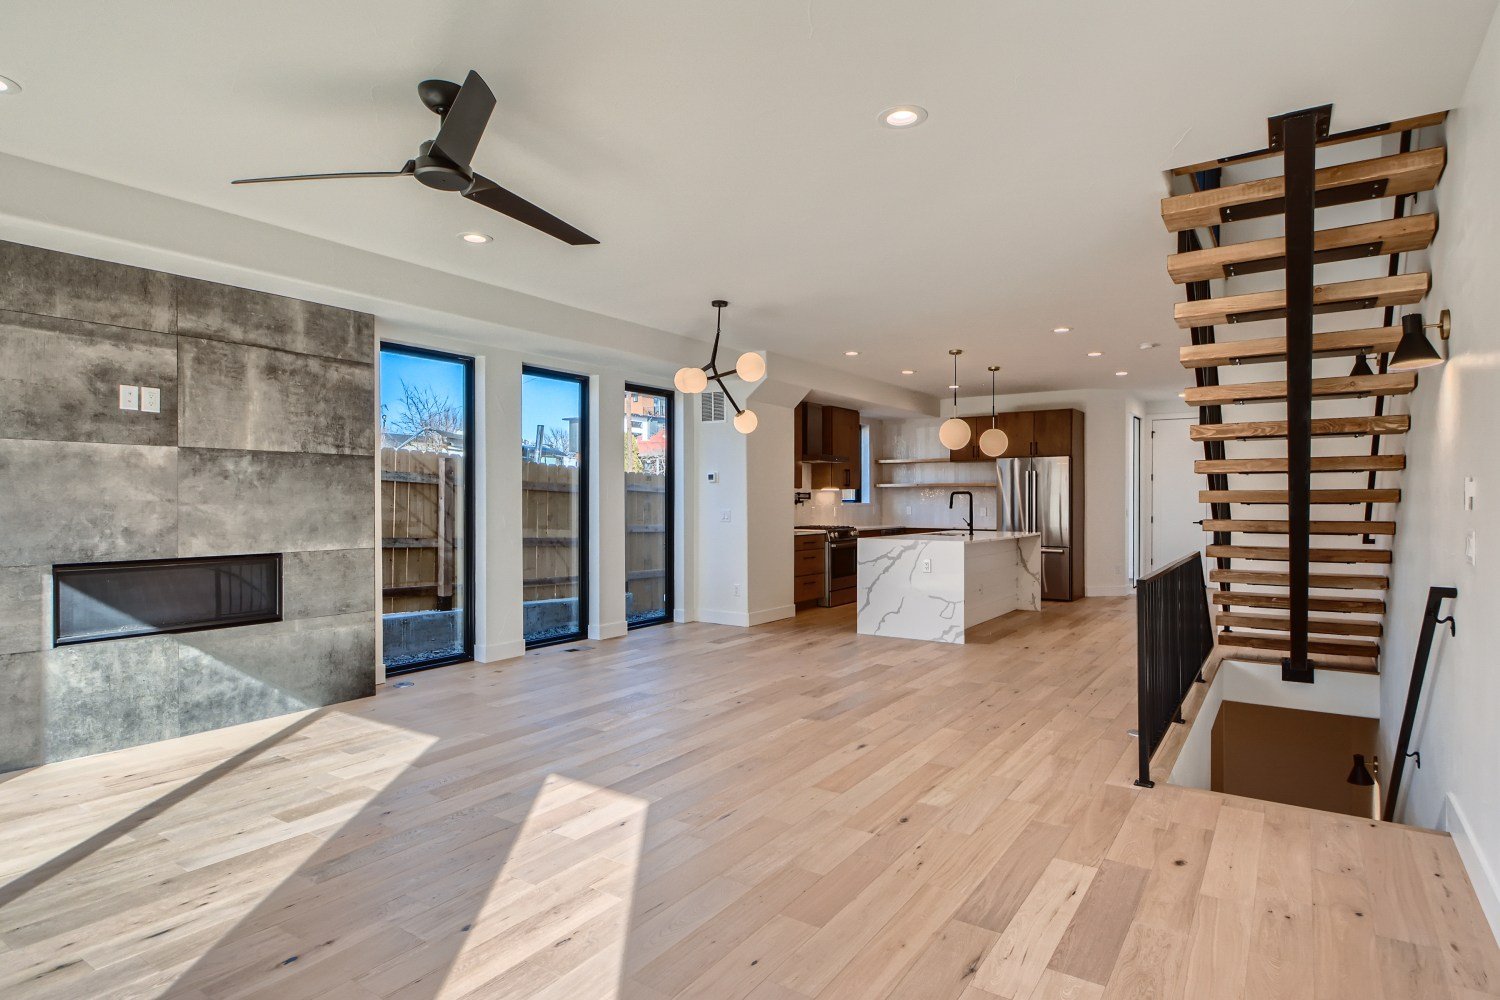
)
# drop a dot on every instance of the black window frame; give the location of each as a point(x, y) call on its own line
point(471, 609)
point(669, 613)
point(585, 507)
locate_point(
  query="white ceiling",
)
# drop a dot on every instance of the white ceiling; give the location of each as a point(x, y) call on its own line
point(733, 149)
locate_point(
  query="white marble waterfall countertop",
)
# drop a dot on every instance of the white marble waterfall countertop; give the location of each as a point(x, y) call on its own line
point(937, 585)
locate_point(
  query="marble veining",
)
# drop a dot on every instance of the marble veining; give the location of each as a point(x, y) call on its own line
point(936, 586)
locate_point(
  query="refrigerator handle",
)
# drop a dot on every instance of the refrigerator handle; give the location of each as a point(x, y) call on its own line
point(1036, 499)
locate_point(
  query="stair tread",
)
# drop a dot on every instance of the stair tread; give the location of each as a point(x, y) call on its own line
point(1350, 647)
point(1355, 496)
point(1337, 343)
point(1280, 553)
point(1339, 296)
point(1279, 527)
point(1362, 180)
point(1321, 427)
point(1323, 656)
point(1328, 581)
point(1353, 135)
point(1320, 463)
point(1369, 239)
point(1283, 602)
point(1331, 387)
point(1322, 626)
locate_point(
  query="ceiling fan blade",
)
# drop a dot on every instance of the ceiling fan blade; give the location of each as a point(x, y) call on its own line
point(410, 167)
point(463, 125)
point(492, 195)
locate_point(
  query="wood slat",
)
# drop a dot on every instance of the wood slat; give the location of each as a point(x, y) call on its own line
point(1320, 463)
point(1360, 648)
point(1321, 427)
point(1400, 235)
point(1279, 553)
point(1260, 527)
point(1363, 180)
point(1355, 496)
point(1330, 581)
point(1331, 387)
point(1322, 626)
point(1339, 296)
point(1263, 350)
point(1354, 135)
point(1282, 602)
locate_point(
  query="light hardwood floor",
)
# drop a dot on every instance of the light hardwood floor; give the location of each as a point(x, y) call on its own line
point(781, 813)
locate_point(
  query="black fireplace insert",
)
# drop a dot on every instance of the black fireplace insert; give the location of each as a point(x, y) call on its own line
point(93, 602)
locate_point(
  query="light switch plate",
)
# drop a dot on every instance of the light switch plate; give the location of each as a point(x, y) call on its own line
point(150, 399)
point(1469, 491)
point(1471, 547)
point(130, 397)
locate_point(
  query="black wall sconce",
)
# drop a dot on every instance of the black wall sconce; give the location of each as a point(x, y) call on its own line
point(1415, 350)
point(1360, 774)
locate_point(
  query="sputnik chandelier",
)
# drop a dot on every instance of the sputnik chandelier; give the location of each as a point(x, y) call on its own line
point(750, 367)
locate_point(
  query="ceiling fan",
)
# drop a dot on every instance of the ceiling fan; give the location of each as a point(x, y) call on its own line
point(442, 163)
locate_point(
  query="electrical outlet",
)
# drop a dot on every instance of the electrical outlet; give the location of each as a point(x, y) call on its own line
point(1471, 546)
point(736, 590)
point(908, 510)
point(725, 514)
point(926, 565)
point(1469, 492)
point(130, 397)
point(984, 512)
point(150, 399)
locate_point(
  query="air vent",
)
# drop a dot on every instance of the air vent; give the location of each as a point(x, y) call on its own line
point(712, 411)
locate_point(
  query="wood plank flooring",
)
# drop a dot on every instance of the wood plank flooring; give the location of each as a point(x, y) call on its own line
point(791, 812)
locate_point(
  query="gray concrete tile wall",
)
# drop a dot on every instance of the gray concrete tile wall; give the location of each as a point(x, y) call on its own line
point(259, 399)
point(271, 450)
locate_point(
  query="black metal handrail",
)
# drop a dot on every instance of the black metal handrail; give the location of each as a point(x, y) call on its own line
point(1430, 621)
point(1174, 637)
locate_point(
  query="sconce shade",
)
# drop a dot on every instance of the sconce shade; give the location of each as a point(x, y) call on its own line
point(1415, 350)
point(690, 380)
point(746, 421)
point(1361, 367)
point(993, 442)
point(1359, 774)
point(954, 433)
point(751, 367)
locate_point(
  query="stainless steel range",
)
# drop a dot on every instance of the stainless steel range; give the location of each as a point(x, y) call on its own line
point(841, 563)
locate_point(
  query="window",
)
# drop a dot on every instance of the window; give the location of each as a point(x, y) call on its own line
point(865, 491)
point(554, 518)
point(648, 506)
point(426, 507)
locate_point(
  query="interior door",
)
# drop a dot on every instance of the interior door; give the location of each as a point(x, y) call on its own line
point(1175, 510)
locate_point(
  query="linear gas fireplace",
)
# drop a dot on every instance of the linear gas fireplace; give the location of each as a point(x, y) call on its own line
point(97, 601)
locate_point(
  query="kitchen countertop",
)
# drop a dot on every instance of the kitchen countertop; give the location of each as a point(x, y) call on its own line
point(962, 535)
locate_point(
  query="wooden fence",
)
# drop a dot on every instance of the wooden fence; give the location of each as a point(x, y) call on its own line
point(421, 514)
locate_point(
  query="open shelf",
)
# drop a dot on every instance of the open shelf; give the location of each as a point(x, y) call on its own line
point(932, 461)
point(935, 486)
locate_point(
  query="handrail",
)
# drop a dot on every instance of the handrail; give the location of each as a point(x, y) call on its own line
point(1430, 622)
point(1174, 638)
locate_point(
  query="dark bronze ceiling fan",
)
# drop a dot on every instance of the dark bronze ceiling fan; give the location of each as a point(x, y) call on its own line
point(442, 163)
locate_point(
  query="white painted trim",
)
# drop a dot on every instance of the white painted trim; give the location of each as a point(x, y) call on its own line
point(1193, 767)
point(497, 651)
point(773, 614)
point(608, 630)
point(743, 619)
point(1481, 873)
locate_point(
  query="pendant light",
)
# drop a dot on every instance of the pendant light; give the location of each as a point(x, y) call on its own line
point(750, 367)
point(954, 433)
point(993, 442)
point(1415, 350)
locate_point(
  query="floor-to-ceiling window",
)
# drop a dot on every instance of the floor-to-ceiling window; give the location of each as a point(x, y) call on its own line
point(648, 506)
point(554, 519)
point(426, 507)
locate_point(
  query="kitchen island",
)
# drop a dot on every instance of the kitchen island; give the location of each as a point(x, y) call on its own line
point(937, 585)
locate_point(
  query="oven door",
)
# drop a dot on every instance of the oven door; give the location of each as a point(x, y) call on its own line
point(843, 571)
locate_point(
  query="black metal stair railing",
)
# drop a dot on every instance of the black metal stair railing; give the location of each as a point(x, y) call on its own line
point(1174, 638)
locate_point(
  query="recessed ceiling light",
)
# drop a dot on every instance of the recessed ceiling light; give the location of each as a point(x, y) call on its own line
point(1096, 354)
point(907, 371)
point(474, 237)
point(9, 86)
point(953, 387)
point(903, 116)
point(851, 354)
point(1122, 373)
point(1062, 329)
point(1146, 345)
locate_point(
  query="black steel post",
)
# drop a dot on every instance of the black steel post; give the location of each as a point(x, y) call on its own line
point(1299, 139)
point(1430, 622)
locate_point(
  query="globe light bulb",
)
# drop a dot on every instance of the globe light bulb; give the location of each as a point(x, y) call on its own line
point(745, 421)
point(690, 380)
point(751, 367)
point(954, 433)
point(993, 442)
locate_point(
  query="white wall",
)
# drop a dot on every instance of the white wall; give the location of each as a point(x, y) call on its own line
point(1455, 412)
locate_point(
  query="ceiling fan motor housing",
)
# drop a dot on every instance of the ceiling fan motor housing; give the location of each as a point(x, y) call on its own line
point(438, 95)
point(438, 173)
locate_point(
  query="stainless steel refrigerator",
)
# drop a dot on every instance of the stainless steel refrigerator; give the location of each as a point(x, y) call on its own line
point(1035, 495)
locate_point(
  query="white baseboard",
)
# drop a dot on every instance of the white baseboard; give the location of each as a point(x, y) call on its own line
point(1110, 590)
point(496, 651)
point(1475, 863)
point(608, 630)
point(743, 619)
point(775, 614)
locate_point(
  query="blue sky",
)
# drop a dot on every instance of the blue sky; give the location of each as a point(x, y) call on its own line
point(543, 400)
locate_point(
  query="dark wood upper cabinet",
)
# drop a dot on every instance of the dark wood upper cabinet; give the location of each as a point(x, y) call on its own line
point(1018, 428)
point(1052, 433)
point(840, 437)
